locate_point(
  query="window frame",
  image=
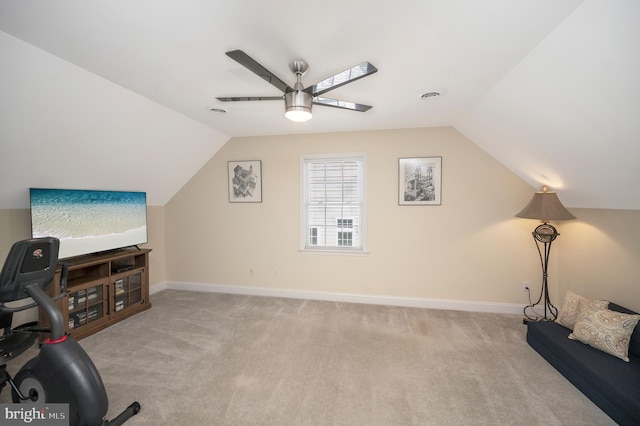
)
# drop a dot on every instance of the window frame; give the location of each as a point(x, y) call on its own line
point(304, 227)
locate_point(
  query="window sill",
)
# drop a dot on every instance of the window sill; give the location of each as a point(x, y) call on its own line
point(334, 252)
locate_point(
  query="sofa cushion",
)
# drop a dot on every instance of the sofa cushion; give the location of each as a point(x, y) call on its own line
point(634, 344)
point(608, 381)
point(605, 330)
point(569, 310)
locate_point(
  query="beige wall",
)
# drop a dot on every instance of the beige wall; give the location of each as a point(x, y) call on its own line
point(15, 225)
point(156, 234)
point(470, 248)
point(599, 255)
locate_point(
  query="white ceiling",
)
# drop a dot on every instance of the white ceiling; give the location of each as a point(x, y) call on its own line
point(120, 90)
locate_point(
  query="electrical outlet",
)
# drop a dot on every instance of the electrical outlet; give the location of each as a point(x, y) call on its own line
point(251, 271)
point(525, 285)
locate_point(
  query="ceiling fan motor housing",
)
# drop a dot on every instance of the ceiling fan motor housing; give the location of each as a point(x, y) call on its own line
point(298, 103)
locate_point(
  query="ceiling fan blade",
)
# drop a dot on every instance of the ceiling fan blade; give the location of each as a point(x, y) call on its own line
point(249, 98)
point(347, 76)
point(248, 62)
point(335, 103)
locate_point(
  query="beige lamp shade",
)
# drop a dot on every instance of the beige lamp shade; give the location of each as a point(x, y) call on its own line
point(545, 206)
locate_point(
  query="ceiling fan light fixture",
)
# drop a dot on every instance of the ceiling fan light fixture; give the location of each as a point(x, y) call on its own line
point(297, 105)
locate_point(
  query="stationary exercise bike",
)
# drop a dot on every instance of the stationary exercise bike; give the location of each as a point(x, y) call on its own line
point(62, 372)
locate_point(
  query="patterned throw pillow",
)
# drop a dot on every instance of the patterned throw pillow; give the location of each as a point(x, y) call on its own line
point(567, 316)
point(608, 331)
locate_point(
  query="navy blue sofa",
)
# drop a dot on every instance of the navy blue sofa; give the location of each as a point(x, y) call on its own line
point(612, 384)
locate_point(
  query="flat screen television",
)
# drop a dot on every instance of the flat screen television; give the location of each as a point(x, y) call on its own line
point(89, 221)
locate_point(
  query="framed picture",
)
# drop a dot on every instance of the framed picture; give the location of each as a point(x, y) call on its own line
point(420, 181)
point(245, 181)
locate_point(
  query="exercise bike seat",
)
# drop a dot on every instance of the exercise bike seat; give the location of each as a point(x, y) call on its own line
point(37, 268)
point(14, 342)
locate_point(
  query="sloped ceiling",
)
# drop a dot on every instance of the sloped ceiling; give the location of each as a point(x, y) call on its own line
point(117, 94)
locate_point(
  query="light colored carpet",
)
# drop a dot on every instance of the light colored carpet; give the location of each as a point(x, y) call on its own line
point(217, 359)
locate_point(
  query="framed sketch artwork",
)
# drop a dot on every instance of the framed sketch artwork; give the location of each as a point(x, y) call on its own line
point(420, 181)
point(245, 181)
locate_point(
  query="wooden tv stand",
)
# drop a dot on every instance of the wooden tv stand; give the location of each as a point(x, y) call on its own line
point(102, 289)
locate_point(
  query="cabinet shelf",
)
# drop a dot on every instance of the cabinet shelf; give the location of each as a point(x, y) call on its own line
point(102, 289)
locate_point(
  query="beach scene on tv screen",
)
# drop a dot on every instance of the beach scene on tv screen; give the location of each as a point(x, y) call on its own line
point(89, 221)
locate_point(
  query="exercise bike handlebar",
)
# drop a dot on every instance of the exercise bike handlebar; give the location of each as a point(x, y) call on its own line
point(50, 309)
point(48, 305)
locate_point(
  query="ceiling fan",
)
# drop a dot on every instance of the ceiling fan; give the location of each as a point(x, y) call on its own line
point(298, 100)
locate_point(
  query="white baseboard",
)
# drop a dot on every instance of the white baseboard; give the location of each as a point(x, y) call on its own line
point(447, 304)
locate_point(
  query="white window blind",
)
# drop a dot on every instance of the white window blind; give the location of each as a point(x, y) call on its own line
point(333, 203)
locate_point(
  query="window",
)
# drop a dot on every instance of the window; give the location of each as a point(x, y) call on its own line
point(345, 223)
point(313, 236)
point(345, 239)
point(333, 202)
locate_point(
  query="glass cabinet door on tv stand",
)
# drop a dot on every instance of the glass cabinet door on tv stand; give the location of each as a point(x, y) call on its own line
point(87, 305)
point(126, 290)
